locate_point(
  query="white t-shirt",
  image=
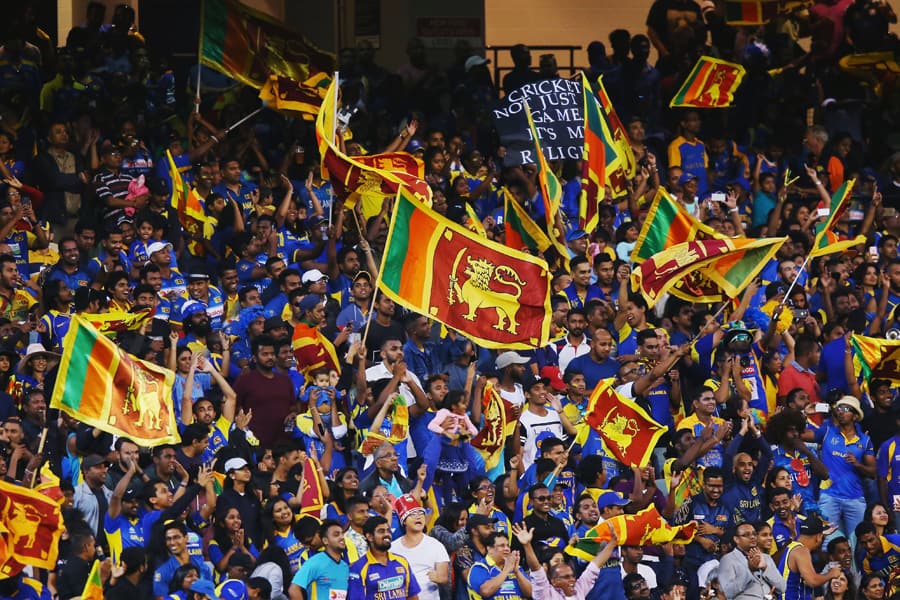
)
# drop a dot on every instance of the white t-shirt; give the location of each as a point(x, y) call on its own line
point(422, 559)
point(646, 572)
point(531, 426)
point(516, 397)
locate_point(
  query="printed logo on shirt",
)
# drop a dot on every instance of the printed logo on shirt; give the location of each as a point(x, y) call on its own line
point(391, 583)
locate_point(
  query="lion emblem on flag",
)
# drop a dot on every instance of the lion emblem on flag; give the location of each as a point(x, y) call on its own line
point(478, 291)
point(620, 430)
point(144, 397)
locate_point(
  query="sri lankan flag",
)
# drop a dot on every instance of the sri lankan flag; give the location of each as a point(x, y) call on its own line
point(877, 358)
point(93, 587)
point(521, 230)
point(30, 528)
point(498, 425)
point(593, 167)
point(750, 12)
point(311, 494)
point(303, 97)
point(496, 296)
point(711, 84)
point(627, 430)
point(105, 387)
point(667, 223)
point(827, 241)
point(118, 320)
point(621, 165)
point(188, 205)
point(646, 527)
point(366, 179)
point(398, 415)
point(49, 484)
point(731, 263)
point(551, 192)
point(249, 46)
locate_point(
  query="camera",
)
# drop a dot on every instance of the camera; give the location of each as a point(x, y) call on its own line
point(800, 314)
point(892, 334)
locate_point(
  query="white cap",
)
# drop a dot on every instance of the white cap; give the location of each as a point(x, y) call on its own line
point(312, 276)
point(234, 464)
point(158, 247)
point(474, 61)
point(510, 358)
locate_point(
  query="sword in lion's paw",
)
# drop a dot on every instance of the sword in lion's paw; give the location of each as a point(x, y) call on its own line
point(453, 288)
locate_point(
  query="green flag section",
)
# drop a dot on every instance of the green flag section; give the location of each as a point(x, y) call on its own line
point(103, 386)
point(497, 296)
point(711, 84)
point(250, 46)
point(521, 230)
point(827, 240)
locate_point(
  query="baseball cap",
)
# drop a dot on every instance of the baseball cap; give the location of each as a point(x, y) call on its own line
point(202, 586)
point(474, 61)
point(309, 302)
point(685, 177)
point(812, 525)
point(158, 247)
point(478, 519)
point(405, 505)
point(315, 220)
point(129, 495)
point(92, 461)
point(274, 323)
point(313, 275)
point(234, 464)
point(197, 277)
point(510, 358)
point(554, 377)
point(576, 235)
point(363, 275)
point(234, 589)
point(531, 382)
point(607, 499)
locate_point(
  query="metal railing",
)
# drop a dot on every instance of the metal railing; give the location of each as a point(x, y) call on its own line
point(494, 52)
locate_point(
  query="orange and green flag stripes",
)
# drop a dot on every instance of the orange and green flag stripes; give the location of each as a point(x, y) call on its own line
point(646, 527)
point(876, 358)
point(249, 46)
point(827, 241)
point(657, 275)
point(667, 223)
point(593, 167)
point(93, 587)
point(621, 165)
point(711, 84)
point(751, 12)
point(496, 296)
point(521, 230)
point(103, 386)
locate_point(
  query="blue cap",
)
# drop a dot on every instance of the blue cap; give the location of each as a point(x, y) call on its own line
point(205, 587)
point(232, 589)
point(191, 307)
point(576, 235)
point(414, 145)
point(610, 499)
point(685, 177)
point(310, 301)
point(741, 181)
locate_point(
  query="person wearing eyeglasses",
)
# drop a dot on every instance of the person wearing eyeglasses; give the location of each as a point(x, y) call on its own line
point(848, 455)
point(545, 525)
point(746, 572)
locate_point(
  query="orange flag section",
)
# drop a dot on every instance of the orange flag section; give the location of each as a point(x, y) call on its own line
point(311, 495)
point(628, 431)
point(30, 527)
point(498, 425)
point(646, 527)
point(711, 84)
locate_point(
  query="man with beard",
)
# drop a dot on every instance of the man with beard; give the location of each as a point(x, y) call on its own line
point(746, 572)
point(510, 366)
point(743, 495)
point(381, 574)
point(479, 527)
point(383, 327)
point(785, 523)
point(575, 343)
point(596, 364)
point(122, 523)
point(266, 392)
point(796, 564)
point(129, 453)
point(326, 574)
point(195, 322)
point(712, 517)
point(312, 349)
point(68, 268)
point(210, 296)
point(581, 291)
point(111, 258)
point(400, 380)
point(426, 556)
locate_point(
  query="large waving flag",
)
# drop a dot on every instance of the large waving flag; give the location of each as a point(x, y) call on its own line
point(103, 386)
point(304, 97)
point(188, 205)
point(827, 241)
point(496, 296)
point(116, 321)
point(710, 84)
point(398, 415)
point(877, 358)
point(521, 230)
point(742, 259)
point(646, 527)
point(593, 167)
point(30, 528)
point(366, 179)
point(498, 426)
point(312, 497)
point(551, 191)
point(621, 165)
point(627, 430)
point(667, 223)
point(250, 46)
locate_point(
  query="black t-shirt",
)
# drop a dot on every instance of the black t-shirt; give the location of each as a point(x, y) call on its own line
point(72, 578)
point(379, 334)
